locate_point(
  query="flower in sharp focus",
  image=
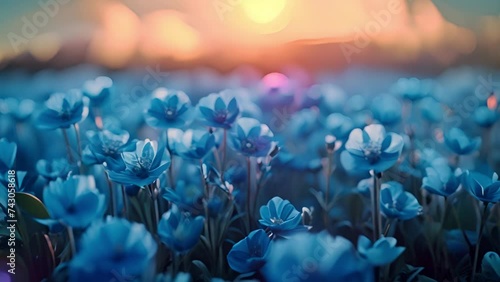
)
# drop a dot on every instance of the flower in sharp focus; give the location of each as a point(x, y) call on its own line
point(485, 117)
point(105, 146)
point(142, 166)
point(490, 267)
point(440, 179)
point(387, 109)
point(482, 187)
point(194, 144)
point(121, 248)
point(279, 215)
point(382, 252)
point(396, 203)
point(168, 108)
point(250, 253)
point(179, 231)
point(51, 170)
point(459, 143)
point(219, 110)
point(75, 202)
point(251, 138)
point(371, 149)
point(63, 110)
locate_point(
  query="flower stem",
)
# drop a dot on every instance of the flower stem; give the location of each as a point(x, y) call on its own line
point(376, 216)
point(111, 195)
point(71, 238)
point(125, 201)
point(79, 145)
point(223, 149)
point(327, 187)
point(68, 147)
point(249, 188)
point(480, 236)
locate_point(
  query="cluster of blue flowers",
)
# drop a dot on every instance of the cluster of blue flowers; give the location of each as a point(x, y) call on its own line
point(215, 188)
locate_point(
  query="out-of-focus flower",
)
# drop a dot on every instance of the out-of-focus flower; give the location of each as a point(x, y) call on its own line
point(98, 90)
point(303, 124)
point(51, 170)
point(382, 252)
point(426, 156)
point(459, 143)
point(440, 179)
point(276, 90)
point(219, 110)
point(395, 202)
point(179, 231)
point(279, 215)
point(105, 146)
point(187, 196)
point(194, 144)
point(431, 110)
point(20, 110)
point(8, 151)
point(250, 253)
point(168, 108)
point(333, 98)
point(371, 149)
point(123, 249)
point(63, 110)
point(142, 166)
point(482, 187)
point(251, 138)
point(74, 202)
point(490, 267)
point(413, 88)
point(320, 257)
point(485, 117)
point(387, 110)
point(339, 125)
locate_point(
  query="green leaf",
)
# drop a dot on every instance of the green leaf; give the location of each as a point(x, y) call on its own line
point(31, 205)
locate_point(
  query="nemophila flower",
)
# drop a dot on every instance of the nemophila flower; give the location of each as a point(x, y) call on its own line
point(179, 231)
point(387, 109)
point(187, 196)
point(371, 149)
point(339, 125)
point(303, 123)
point(51, 170)
point(168, 108)
point(279, 215)
point(382, 252)
point(431, 110)
point(219, 110)
point(482, 187)
point(333, 98)
point(396, 203)
point(490, 267)
point(142, 166)
point(20, 110)
point(74, 202)
point(105, 146)
point(459, 143)
point(251, 138)
point(194, 144)
point(63, 110)
point(316, 257)
point(440, 179)
point(413, 88)
point(250, 253)
point(485, 117)
point(112, 249)
point(98, 89)
point(8, 151)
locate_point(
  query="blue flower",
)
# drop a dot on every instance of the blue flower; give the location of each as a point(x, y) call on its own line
point(20, 110)
point(105, 146)
point(251, 138)
point(112, 249)
point(142, 166)
point(333, 98)
point(440, 179)
point(459, 143)
point(279, 215)
point(51, 170)
point(382, 252)
point(98, 90)
point(482, 187)
point(168, 108)
point(179, 231)
point(371, 149)
point(316, 257)
point(303, 123)
point(339, 125)
point(413, 88)
point(219, 110)
point(63, 110)
point(387, 110)
point(187, 196)
point(395, 202)
point(74, 202)
point(490, 267)
point(194, 144)
point(249, 254)
point(431, 110)
point(485, 117)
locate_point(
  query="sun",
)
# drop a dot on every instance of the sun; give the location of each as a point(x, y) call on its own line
point(263, 11)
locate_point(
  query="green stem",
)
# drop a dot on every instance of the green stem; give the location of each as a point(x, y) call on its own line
point(480, 236)
point(376, 216)
point(111, 195)
point(125, 201)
